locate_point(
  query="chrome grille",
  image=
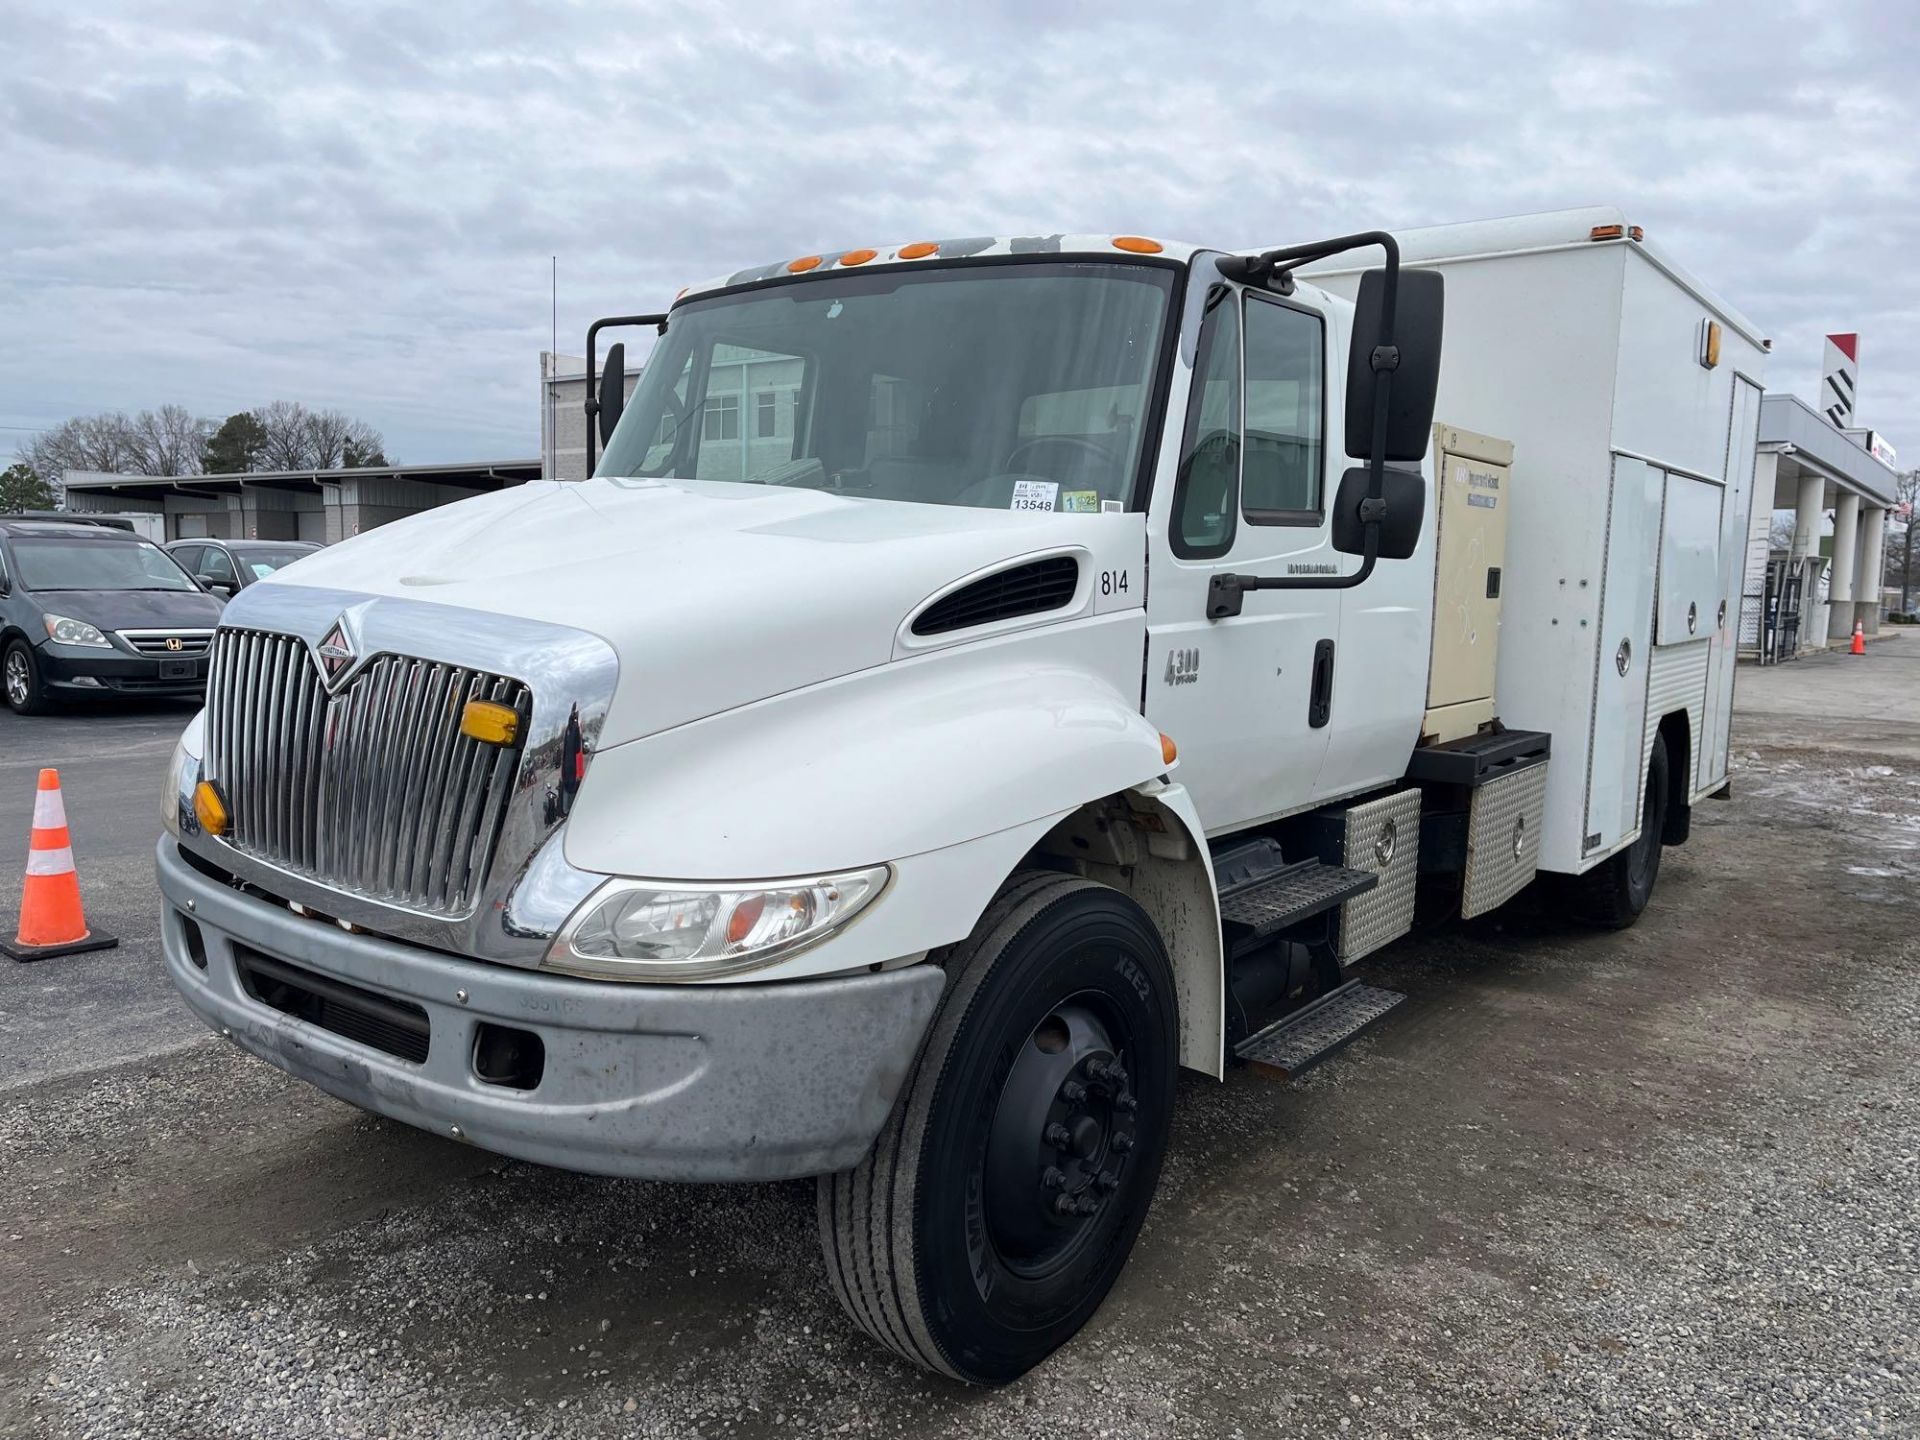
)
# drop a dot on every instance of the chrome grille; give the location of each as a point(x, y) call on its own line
point(168, 644)
point(372, 790)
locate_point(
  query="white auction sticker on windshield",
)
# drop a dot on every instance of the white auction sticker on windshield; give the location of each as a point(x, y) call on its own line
point(1034, 495)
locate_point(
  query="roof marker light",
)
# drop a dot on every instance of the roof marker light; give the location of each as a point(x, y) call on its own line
point(858, 257)
point(1606, 232)
point(1138, 244)
point(1634, 232)
point(920, 249)
point(804, 263)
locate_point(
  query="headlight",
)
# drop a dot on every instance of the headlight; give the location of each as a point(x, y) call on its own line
point(183, 774)
point(75, 632)
point(656, 930)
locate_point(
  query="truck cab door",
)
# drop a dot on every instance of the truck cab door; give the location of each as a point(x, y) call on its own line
point(1247, 698)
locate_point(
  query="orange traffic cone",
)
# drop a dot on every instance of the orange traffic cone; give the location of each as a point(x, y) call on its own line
point(1859, 646)
point(51, 921)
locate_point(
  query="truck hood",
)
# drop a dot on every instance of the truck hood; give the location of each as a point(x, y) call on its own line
point(712, 595)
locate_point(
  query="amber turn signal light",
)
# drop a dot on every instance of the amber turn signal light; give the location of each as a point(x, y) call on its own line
point(209, 809)
point(489, 723)
point(1169, 752)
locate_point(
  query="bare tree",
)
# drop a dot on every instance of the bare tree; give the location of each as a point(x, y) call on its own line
point(173, 441)
point(86, 442)
point(301, 439)
point(1907, 495)
point(287, 441)
point(1780, 532)
point(167, 441)
point(335, 439)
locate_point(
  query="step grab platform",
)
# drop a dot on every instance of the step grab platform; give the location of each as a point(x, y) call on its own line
point(1293, 1045)
point(1294, 893)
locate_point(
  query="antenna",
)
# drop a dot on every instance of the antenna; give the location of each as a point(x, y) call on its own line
point(553, 346)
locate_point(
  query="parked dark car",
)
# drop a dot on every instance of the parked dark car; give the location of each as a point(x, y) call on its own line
point(92, 609)
point(226, 567)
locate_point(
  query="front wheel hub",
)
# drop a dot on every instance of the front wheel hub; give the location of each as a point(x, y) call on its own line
point(1062, 1132)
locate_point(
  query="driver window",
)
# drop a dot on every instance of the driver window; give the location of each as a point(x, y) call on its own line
point(1280, 481)
point(1203, 497)
point(215, 567)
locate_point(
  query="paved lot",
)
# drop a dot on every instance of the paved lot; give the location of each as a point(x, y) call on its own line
point(1657, 1183)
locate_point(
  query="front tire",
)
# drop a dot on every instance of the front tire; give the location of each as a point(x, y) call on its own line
point(1006, 1190)
point(20, 680)
point(1612, 894)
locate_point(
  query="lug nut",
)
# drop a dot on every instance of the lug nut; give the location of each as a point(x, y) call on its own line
point(1087, 1205)
point(1125, 1101)
point(1064, 1205)
point(1117, 1073)
point(1056, 1136)
point(1122, 1142)
point(1107, 1180)
point(1073, 1092)
point(1096, 1068)
point(1052, 1178)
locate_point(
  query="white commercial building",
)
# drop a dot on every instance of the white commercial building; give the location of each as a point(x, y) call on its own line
point(1799, 598)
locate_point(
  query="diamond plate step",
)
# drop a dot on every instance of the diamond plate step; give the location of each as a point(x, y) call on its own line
point(1303, 1039)
point(1299, 892)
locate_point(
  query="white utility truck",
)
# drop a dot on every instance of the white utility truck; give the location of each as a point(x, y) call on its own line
point(973, 686)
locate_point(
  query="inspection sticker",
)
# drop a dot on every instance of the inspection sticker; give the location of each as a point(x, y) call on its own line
point(1034, 495)
point(1085, 502)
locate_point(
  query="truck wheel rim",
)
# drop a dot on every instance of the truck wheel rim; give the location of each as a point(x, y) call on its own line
point(1062, 1134)
point(16, 679)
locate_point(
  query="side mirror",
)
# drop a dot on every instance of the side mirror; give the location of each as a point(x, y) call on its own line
point(613, 390)
point(1405, 495)
point(1418, 312)
point(225, 589)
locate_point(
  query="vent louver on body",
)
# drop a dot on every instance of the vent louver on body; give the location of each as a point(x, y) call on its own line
point(1030, 589)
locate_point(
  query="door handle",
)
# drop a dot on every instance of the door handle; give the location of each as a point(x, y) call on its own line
point(1320, 702)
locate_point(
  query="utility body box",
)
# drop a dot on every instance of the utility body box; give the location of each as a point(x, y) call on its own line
point(1627, 514)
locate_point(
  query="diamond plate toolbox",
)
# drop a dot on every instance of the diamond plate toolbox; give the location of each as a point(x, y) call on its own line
point(1383, 838)
point(1503, 838)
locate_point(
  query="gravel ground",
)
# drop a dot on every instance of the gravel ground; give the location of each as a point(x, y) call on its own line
point(1658, 1183)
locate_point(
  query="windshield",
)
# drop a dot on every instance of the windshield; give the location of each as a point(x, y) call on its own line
point(262, 563)
point(1006, 386)
point(96, 565)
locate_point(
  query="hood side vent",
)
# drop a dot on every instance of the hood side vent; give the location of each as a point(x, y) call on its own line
point(1030, 589)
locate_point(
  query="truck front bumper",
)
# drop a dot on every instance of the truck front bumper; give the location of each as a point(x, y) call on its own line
point(665, 1082)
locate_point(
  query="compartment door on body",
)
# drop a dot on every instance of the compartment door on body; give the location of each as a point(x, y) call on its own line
point(1736, 508)
point(1247, 698)
point(1622, 656)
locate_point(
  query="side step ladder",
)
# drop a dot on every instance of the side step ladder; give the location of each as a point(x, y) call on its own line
point(1295, 1043)
point(1291, 894)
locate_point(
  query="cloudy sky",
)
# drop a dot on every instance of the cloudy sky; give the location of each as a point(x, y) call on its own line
point(221, 204)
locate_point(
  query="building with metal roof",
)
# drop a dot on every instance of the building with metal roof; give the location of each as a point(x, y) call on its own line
point(319, 505)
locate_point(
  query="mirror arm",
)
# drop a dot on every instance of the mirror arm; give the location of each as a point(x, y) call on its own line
point(1226, 593)
point(659, 322)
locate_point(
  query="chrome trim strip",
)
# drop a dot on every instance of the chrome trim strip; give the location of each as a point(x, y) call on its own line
point(570, 676)
point(152, 644)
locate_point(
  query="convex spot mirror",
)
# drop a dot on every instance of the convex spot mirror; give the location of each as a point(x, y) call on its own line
point(1405, 494)
point(1418, 312)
